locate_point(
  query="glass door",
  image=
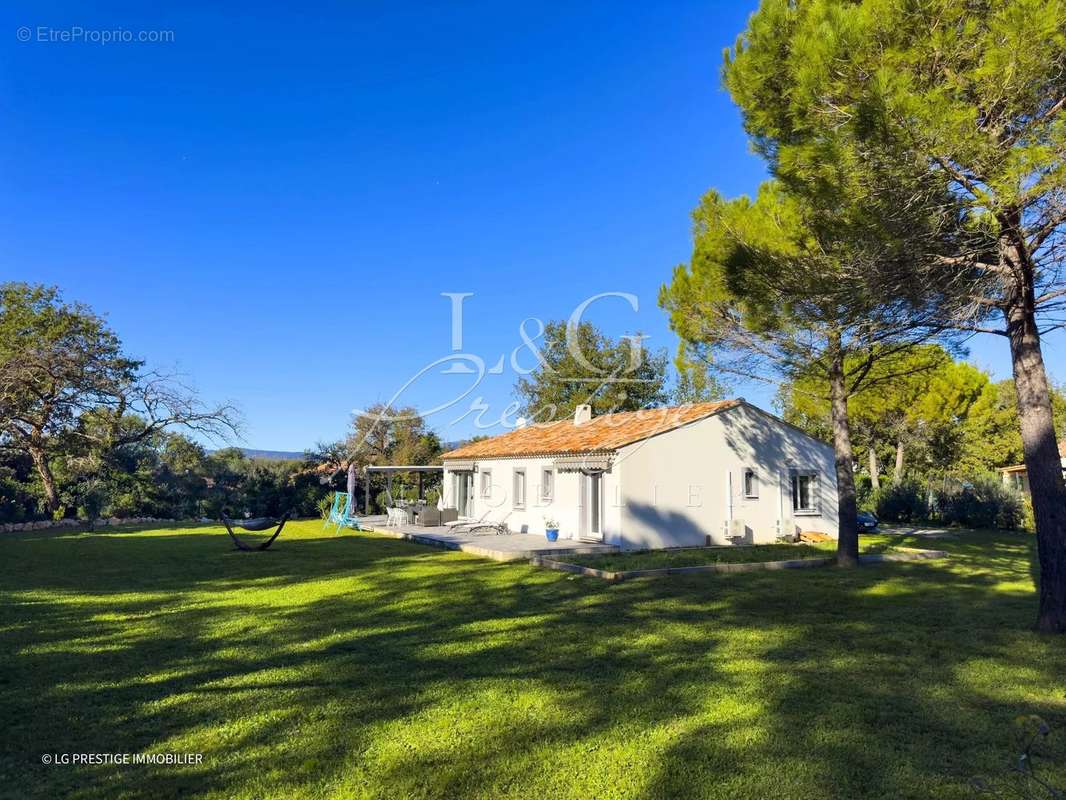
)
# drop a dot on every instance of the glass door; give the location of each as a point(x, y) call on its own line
point(592, 506)
point(464, 486)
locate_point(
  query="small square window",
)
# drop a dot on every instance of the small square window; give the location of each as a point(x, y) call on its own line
point(547, 484)
point(751, 483)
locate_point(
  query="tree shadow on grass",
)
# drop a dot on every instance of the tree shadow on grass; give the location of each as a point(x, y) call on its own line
point(901, 695)
point(379, 667)
point(198, 558)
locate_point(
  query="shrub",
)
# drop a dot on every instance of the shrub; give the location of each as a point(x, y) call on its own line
point(17, 503)
point(900, 502)
point(1028, 520)
point(982, 503)
point(325, 505)
point(864, 493)
point(381, 501)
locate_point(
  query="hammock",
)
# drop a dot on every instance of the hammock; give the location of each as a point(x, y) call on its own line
point(253, 525)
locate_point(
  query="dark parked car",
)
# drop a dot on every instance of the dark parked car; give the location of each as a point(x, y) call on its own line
point(867, 522)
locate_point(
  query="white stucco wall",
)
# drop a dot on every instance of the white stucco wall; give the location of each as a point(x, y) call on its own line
point(685, 484)
point(564, 506)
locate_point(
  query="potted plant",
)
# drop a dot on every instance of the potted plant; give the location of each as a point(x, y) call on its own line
point(551, 529)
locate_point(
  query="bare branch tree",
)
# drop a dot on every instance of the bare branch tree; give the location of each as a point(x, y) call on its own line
point(60, 365)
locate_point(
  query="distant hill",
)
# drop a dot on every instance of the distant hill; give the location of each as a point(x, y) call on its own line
point(273, 455)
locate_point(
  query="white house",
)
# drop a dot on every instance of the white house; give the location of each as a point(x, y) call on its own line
point(1017, 476)
point(705, 473)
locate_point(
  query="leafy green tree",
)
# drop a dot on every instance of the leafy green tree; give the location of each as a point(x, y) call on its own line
point(382, 435)
point(226, 469)
point(775, 290)
point(881, 413)
point(694, 382)
point(924, 409)
point(991, 436)
point(18, 497)
point(56, 361)
point(108, 467)
point(67, 390)
point(933, 424)
point(957, 94)
point(231, 482)
point(183, 470)
point(579, 364)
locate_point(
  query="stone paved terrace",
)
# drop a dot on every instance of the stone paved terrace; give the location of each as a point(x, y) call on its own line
point(507, 547)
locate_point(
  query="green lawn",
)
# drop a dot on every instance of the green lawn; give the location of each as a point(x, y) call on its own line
point(698, 556)
point(356, 666)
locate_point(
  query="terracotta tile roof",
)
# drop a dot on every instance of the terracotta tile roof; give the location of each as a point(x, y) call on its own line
point(600, 434)
point(1021, 467)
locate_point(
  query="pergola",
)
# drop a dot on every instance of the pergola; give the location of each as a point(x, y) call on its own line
point(389, 471)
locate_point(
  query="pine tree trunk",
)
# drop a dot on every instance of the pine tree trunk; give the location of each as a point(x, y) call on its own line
point(847, 513)
point(1042, 461)
point(48, 482)
point(897, 475)
point(875, 477)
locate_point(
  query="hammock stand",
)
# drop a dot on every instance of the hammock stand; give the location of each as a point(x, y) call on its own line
point(258, 524)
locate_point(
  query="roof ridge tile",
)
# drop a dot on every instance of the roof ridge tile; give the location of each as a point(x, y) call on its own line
point(603, 433)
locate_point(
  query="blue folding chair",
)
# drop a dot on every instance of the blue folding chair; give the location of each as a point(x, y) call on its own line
point(340, 502)
point(344, 518)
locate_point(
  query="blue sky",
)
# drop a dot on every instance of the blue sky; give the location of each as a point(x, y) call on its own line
point(274, 201)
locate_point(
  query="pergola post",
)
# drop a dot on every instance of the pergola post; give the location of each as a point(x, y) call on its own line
point(391, 470)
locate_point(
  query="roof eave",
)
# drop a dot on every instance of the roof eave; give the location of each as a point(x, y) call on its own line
point(549, 454)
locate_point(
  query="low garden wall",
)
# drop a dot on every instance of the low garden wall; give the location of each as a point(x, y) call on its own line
point(47, 524)
point(899, 554)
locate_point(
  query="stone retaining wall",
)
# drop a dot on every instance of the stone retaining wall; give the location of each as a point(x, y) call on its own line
point(901, 554)
point(42, 525)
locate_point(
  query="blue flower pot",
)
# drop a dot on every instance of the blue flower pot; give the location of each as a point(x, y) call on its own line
point(552, 534)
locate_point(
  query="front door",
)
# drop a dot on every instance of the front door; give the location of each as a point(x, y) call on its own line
point(592, 506)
